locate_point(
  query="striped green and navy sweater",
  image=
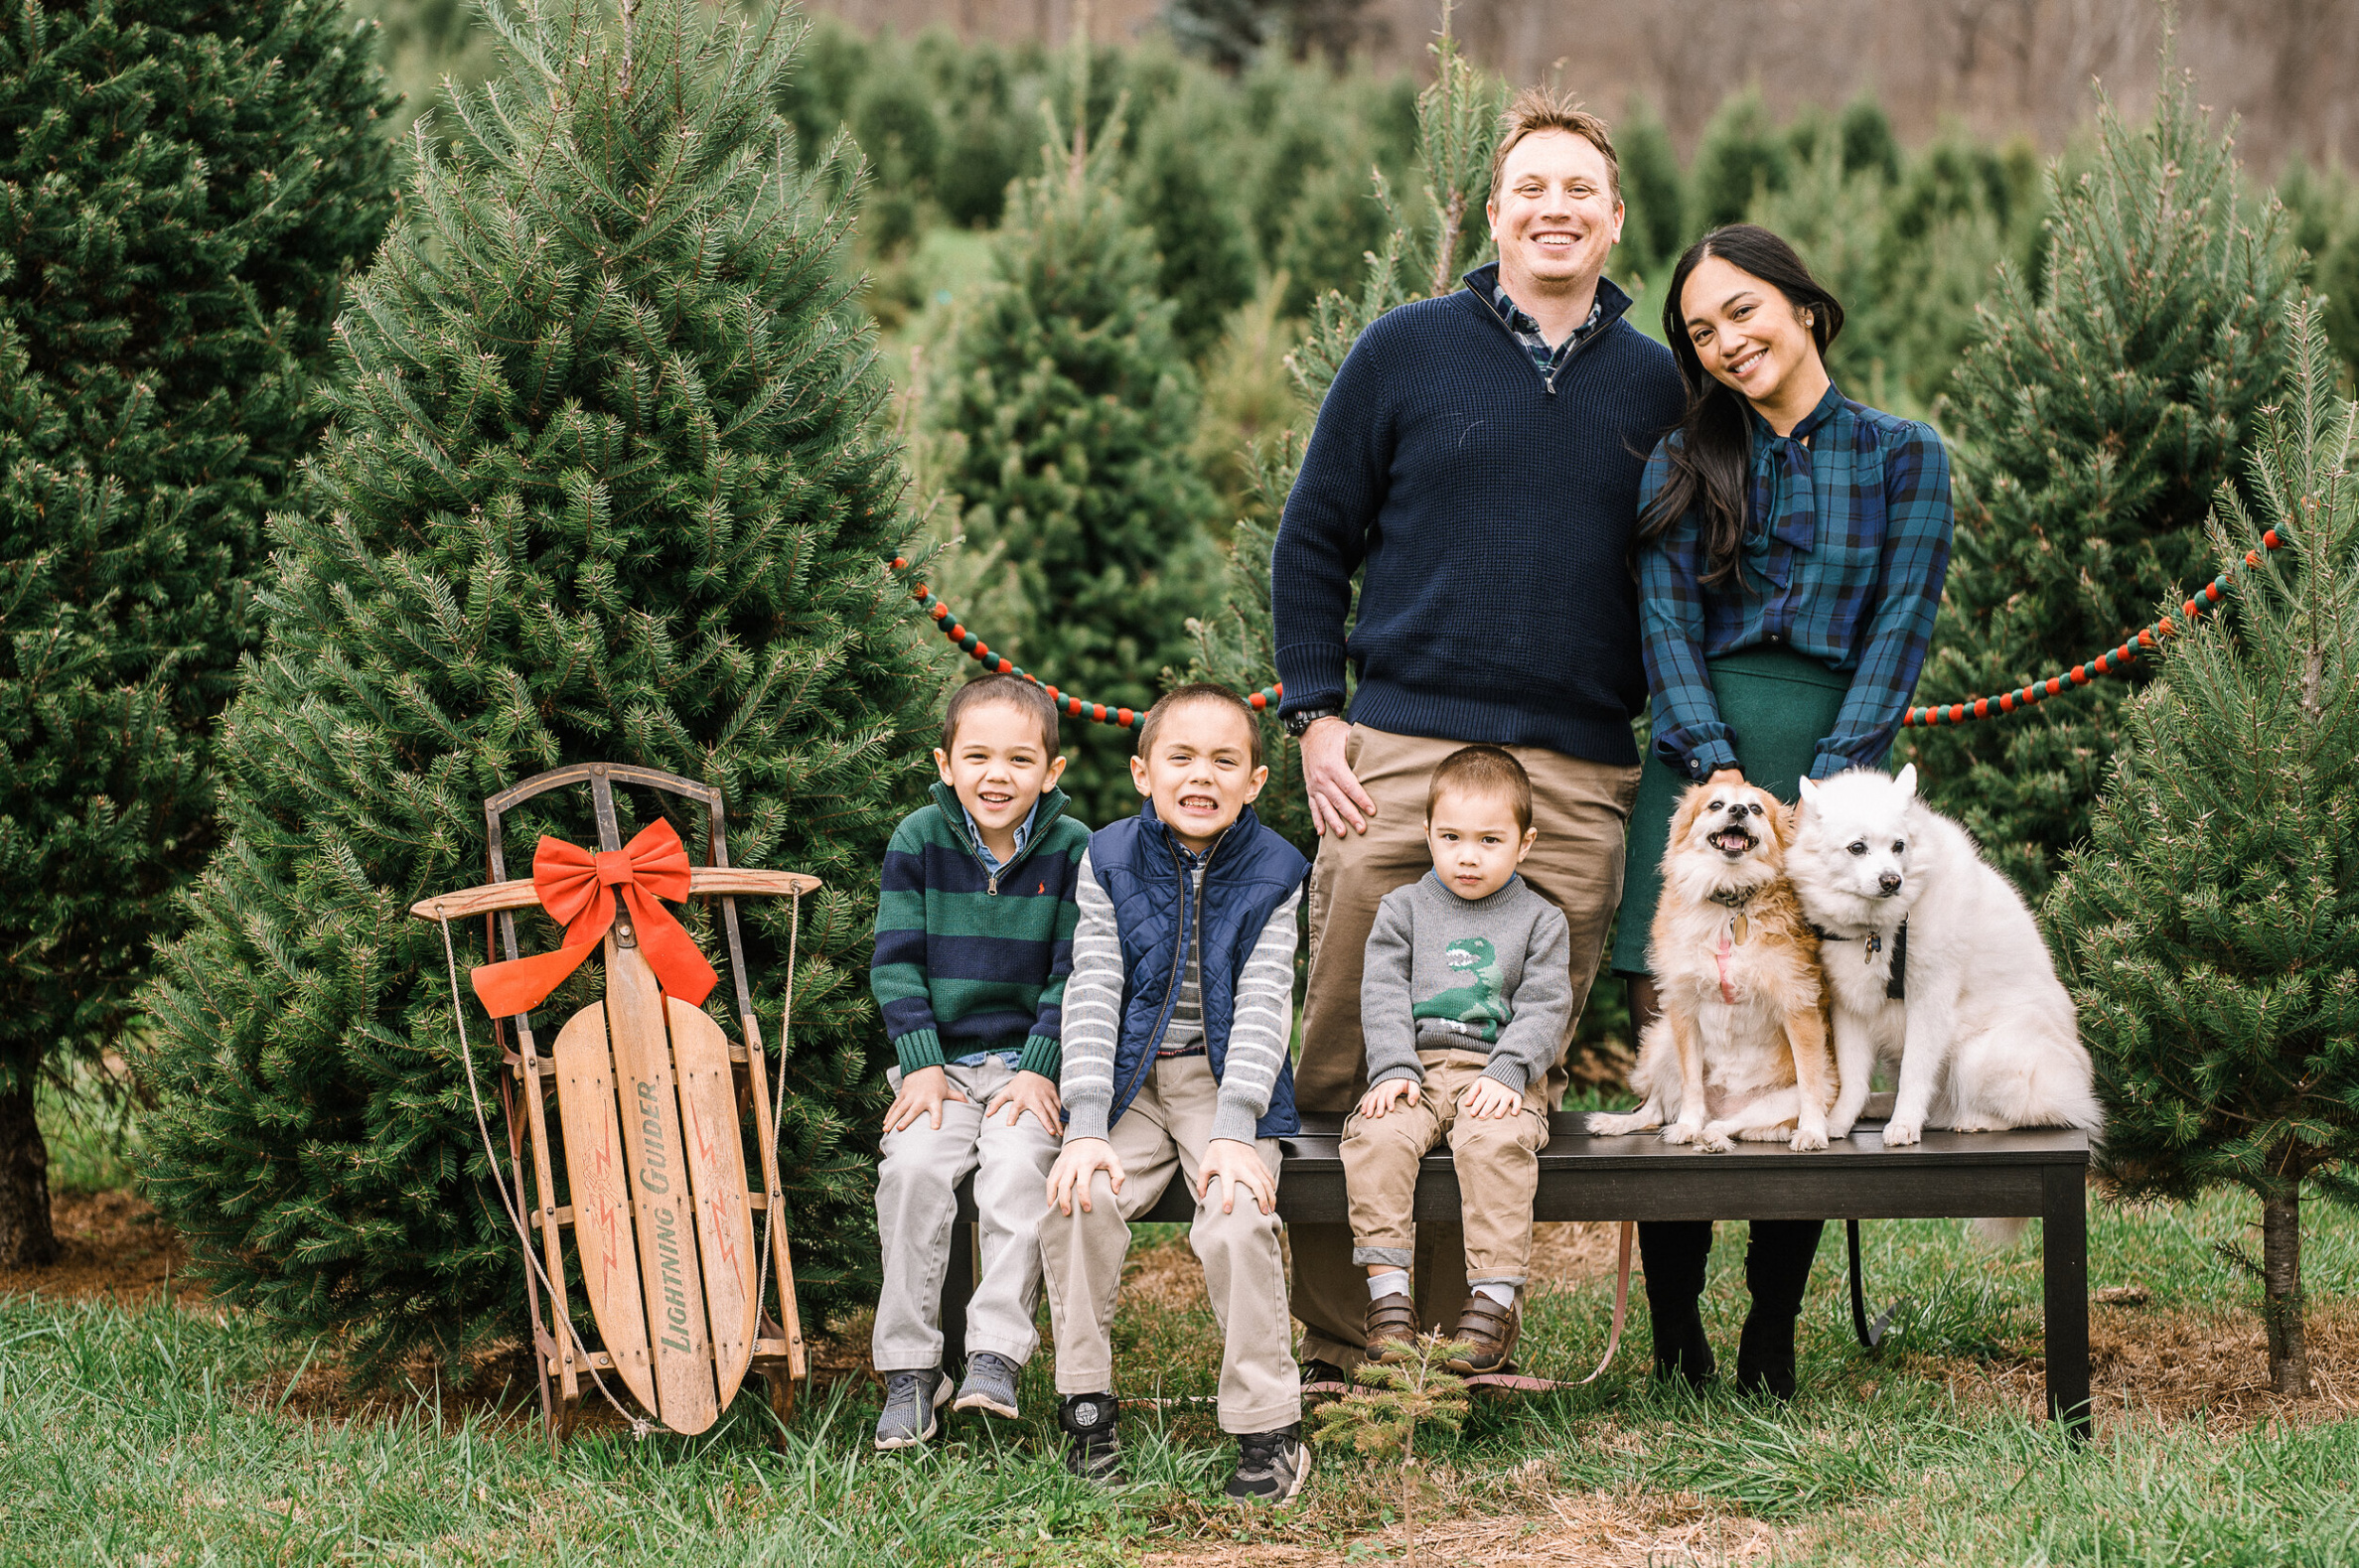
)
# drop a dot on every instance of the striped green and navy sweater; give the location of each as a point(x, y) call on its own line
point(966, 962)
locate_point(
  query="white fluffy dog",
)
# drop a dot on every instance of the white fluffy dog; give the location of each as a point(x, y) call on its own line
point(1984, 1033)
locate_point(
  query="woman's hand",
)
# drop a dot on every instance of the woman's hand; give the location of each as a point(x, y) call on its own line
point(1726, 775)
point(1382, 1097)
point(1337, 803)
point(1029, 1092)
point(922, 1094)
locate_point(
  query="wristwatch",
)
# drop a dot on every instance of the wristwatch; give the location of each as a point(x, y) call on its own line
point(1303, 719)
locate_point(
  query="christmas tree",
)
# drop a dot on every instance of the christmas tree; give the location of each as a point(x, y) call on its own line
point(183, 189)
point(2211, 928)
point(1205, 263)
point(2096, 417)
point(1076, 403)
point(602, 483)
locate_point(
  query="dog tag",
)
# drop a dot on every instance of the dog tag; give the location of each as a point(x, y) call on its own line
point(1741, 927)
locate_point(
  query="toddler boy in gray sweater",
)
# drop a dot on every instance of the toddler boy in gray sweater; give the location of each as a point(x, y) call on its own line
point(1463, 1004)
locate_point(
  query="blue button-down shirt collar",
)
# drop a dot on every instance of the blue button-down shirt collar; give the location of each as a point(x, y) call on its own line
point(992, 864)
point(1547, 358)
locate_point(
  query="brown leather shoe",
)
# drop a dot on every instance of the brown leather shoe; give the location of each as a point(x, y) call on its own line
point(1392, 1328)
point(1492, 1330)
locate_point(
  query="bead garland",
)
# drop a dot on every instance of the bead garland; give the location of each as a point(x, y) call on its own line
point(2108, 662)
point(980, 651)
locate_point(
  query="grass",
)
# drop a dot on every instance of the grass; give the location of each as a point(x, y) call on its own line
point(158, 1434)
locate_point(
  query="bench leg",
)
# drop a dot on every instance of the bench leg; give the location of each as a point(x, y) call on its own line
point(2064, 1256)
point(958, 1289)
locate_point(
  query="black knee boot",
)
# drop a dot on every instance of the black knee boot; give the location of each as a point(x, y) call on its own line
point(1777, 1270)
point(1673, 1254)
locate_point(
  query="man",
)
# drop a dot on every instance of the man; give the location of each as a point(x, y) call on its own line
point(1479, 457)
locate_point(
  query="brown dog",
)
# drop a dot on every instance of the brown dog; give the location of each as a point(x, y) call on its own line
point(1742, 1049)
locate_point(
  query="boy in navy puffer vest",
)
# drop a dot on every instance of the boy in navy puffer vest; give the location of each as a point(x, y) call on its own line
point(1176, 1025)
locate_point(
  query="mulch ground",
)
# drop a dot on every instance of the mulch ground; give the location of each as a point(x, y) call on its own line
point(113, 1245)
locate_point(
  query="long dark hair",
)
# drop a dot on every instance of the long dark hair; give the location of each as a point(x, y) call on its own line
point(1713, 455)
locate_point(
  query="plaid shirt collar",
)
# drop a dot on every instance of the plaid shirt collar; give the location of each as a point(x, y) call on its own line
point(1545, 359)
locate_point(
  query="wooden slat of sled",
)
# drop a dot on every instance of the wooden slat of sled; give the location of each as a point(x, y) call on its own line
point(675, 1318)
point(716, 1171)
point(493, 896)
point(601, 1208)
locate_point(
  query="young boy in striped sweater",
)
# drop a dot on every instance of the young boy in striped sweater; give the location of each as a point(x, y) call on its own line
point(1175, 1065)
point(973, 943)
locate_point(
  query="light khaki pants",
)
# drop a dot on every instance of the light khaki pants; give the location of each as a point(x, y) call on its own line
point(1161, 1135)
point(1498, 1164)
point(917, 1200)
point(1581, 808)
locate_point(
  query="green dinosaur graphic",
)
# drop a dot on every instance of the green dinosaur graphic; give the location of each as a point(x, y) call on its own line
point(1476, 1007)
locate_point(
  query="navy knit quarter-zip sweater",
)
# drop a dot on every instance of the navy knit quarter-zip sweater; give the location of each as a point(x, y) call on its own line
point(1492, 508)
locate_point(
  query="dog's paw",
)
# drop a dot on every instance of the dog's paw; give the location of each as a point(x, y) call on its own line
point(1715, 1139)
point(1898, 1133)
point(1605, 1124)
point(1681, 1132)
point(1806, 1139)
point(1841, 1126)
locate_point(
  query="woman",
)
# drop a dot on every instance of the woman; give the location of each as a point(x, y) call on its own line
point(1789, 553)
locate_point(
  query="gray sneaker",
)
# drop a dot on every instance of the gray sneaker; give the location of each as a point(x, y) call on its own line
point(1271, 1466)
point(912, 1400)
point(990, 1385)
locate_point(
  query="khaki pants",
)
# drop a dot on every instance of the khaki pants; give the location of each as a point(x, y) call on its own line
point(1581, 808)
point(1161, 1135)
point(917, 1200)
point(1498, 1163)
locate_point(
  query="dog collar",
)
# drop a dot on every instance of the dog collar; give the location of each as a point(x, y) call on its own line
point(1896, 986)
point(1734, 901)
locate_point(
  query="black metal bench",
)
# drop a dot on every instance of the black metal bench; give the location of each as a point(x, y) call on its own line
point(2038, 1173)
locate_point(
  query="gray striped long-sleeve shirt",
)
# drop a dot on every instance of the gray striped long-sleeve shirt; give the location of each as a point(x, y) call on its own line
point(1260, 1023)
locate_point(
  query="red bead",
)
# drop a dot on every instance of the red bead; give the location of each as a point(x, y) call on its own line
point(2099, 667)
point(1279, 688)
point(1957, 713)
point(2080, 675)
point(955, 632)
point(941, 611)
point(1052, 691)
point(1072, 706)
point(1006, 667)
point(2270, 540)
point(2211, 590)
point(2055, 684)
point(899, 563)
point(2006, 703)
point(2251, 557)
point(1122, 717)
point(1259, 699)
point(1098, 711)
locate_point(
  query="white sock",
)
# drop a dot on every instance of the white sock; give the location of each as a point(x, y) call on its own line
point(1505, 1295)
point(1395, 1283)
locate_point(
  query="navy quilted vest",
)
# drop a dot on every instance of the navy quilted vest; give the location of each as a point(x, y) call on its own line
point(1252, 872)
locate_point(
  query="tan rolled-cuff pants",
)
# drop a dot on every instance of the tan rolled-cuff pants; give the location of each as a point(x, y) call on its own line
point(1496, 1160)
point(1581, 808)
point(1162, 1134)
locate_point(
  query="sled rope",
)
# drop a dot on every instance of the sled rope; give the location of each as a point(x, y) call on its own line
point(980, 651)
point(641, 1427)
point(2108, 662)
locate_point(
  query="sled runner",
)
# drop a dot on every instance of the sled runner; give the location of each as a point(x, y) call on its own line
point(661, 1147)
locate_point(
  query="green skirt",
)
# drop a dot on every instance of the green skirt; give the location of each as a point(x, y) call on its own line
point(1778, 705)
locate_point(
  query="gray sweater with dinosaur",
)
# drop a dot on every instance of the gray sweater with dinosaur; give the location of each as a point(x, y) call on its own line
point(1446, 973)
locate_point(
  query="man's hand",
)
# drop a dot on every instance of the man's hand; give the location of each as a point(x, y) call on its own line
point(1337, 803)
point(1029, 1092)
point(1238, 1165)
point(1077, 1166)
point(922, 1094)
point(1382, 1099)
point(1488, 1100)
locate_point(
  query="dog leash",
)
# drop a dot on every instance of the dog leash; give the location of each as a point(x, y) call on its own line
point(1871, 1335)
point(1613, 1339)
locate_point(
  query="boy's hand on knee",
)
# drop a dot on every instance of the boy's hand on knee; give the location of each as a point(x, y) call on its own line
point(1238, 1165)
point(1029, 1092)
point(922, 1094)
point(1078, 1164)
point(1390, 1092)
point(1488, 1100)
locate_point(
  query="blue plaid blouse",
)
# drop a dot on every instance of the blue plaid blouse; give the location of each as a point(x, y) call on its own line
point(1846, 539)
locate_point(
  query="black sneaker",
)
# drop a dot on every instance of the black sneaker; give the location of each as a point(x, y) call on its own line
point(1271, 1466)
point(1324, 1380)
point(1096, 1449)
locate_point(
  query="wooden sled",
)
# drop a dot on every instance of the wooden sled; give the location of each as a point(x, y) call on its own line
point(645, 1156)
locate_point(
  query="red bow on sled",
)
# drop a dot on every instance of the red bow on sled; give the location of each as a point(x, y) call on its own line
point(575, 887)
